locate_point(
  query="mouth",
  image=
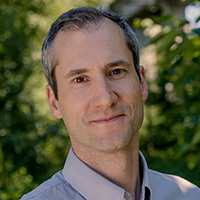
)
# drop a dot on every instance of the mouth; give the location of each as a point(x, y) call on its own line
point(109, 119)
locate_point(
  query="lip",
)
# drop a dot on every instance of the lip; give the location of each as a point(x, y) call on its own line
point(109, 119)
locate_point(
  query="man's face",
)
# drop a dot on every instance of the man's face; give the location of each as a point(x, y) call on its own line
point(100, 97)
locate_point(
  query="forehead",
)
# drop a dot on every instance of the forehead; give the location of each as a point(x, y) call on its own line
point(105, 28)
point(102, 43)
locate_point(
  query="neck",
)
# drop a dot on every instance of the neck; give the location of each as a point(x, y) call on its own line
point(121, 168)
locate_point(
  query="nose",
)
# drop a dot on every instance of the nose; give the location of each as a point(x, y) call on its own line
point(104, 94)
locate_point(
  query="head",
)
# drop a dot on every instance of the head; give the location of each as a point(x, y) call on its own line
point(96, 88)
point(78, 19)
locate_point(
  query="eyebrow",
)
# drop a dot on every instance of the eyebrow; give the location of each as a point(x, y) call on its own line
point(78, 71)
point(118, 63)
point(75, 72)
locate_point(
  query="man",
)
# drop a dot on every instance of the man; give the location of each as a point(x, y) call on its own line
point(95, 84)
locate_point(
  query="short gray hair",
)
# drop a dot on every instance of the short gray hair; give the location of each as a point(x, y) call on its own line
point(82, 18)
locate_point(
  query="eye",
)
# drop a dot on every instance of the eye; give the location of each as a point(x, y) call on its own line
point(80, 79)
point(116, 72)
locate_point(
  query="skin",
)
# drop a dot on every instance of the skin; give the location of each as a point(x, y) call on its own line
point(100, 99)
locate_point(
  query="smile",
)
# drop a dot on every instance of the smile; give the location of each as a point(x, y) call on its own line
point(108, 119)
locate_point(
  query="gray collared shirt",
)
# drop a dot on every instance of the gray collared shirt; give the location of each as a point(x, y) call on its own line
point(79, 182)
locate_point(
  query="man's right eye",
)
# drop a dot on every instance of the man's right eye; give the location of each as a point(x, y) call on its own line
point(80, 79)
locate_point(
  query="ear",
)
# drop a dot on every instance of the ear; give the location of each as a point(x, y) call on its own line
point(143, 83)
point(53, 102)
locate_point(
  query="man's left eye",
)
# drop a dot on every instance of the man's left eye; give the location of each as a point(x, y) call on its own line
point(116, 72)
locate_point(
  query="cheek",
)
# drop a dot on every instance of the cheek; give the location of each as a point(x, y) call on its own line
point(131, 92)
point(132, 96)
point(73, 105)
point(71, 116)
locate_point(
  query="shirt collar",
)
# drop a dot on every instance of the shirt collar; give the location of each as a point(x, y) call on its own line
point(146, 183)
point(92, 185)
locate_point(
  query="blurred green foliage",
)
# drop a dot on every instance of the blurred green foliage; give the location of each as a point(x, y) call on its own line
point(33, 145)
point(23, 132)
point(170, 137)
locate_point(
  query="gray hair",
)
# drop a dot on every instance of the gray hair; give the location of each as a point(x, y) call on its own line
point(82, 18)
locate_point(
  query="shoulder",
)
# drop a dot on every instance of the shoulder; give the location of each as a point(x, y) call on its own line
point(172, 187)
point(53, 189)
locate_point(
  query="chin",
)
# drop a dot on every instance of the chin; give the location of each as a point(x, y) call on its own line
point(114, 145)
